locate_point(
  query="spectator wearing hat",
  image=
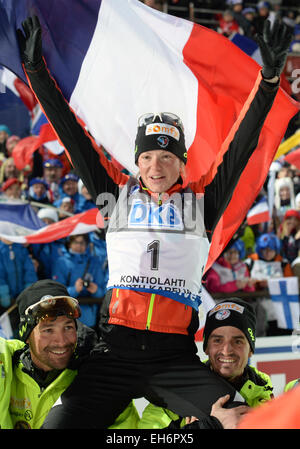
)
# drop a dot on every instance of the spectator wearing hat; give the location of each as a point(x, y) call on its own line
point(284, 198)
point(228, 25)
point(52, 174)
point(236, 6)
point(229, 273)
point(249, 14)
point(4, 134)
point(48, 214)
point(68, 187)
point(264, 12)
point(37, 368)
point(48, 253)
point(289, 234)
point(16, 271)
point(39, 191)
point(66, 207)
point(229, 341)
point(81, 273)
point(11, 189)
point(267, 263)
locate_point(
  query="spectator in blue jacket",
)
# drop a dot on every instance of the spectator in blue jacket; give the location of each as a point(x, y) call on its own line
point(16, 271)
point(52, 173)
point(98, 248)
point(39, 191)
point(48, 253)
point(85, 199)
point(68, 187)
point(82, 274)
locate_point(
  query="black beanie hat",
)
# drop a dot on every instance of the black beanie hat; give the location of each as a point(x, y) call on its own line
point(231, 312)
point(160, 136)
point(32, 295)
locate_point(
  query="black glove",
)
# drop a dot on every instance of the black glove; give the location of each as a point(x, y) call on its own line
point(31, 44)
point(274, 46)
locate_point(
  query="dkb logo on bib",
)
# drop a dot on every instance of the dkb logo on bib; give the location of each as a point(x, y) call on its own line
point(151, 215)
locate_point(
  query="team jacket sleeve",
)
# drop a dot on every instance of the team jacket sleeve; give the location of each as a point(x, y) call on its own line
point(219, 192)
point(96, 172)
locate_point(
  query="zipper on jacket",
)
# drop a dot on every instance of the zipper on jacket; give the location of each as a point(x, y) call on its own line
point(150, 311)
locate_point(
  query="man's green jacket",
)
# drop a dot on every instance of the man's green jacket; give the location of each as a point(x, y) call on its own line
point(24, 403)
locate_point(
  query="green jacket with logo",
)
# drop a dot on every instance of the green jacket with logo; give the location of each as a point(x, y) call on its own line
point(24, 403)
point(255, 387)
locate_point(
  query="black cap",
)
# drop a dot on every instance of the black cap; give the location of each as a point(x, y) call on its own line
point(32, 295)
point(160, 136)
point(231, 312)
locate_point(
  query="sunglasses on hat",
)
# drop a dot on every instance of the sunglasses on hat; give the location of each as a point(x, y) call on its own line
point(53, 306)
point(164, 117)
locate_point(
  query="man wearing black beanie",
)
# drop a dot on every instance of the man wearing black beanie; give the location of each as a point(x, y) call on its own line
point(229, 341)
point(233, 312)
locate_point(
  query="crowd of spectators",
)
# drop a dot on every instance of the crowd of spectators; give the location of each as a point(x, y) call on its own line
point(257, 253)
point(55, 193)
point(235, 16)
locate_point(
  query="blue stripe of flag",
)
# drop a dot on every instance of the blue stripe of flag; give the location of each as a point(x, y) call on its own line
point(65, 46)
point(20, 214)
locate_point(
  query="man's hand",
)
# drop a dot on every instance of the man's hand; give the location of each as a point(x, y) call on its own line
point(228, 417)
point(274, 45)
point(92, 288)
point(79, 285)
point(30, 44)
point(190, 419)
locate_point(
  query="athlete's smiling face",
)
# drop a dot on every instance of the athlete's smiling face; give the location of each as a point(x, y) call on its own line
point(228, 350)
point(159, 170)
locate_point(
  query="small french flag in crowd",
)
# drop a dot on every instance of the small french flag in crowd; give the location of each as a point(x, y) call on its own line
point(284, 293)
point(259, 213)
point(20, 224)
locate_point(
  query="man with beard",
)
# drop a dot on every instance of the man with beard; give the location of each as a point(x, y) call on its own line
point(37, 370)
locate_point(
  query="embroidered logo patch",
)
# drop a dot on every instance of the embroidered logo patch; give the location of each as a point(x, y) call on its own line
point(163, 141)
point(222, 314)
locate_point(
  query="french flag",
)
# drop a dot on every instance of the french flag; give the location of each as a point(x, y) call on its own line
point(18, 219)
point(39, 126)
point(20, 224)
point(117, 59)
point(259, 213)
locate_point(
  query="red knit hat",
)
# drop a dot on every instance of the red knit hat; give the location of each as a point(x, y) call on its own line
point(292, 213)
point(9, 183)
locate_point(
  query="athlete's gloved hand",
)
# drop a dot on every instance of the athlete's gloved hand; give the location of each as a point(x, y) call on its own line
point(31, 44)
point(274, 45)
